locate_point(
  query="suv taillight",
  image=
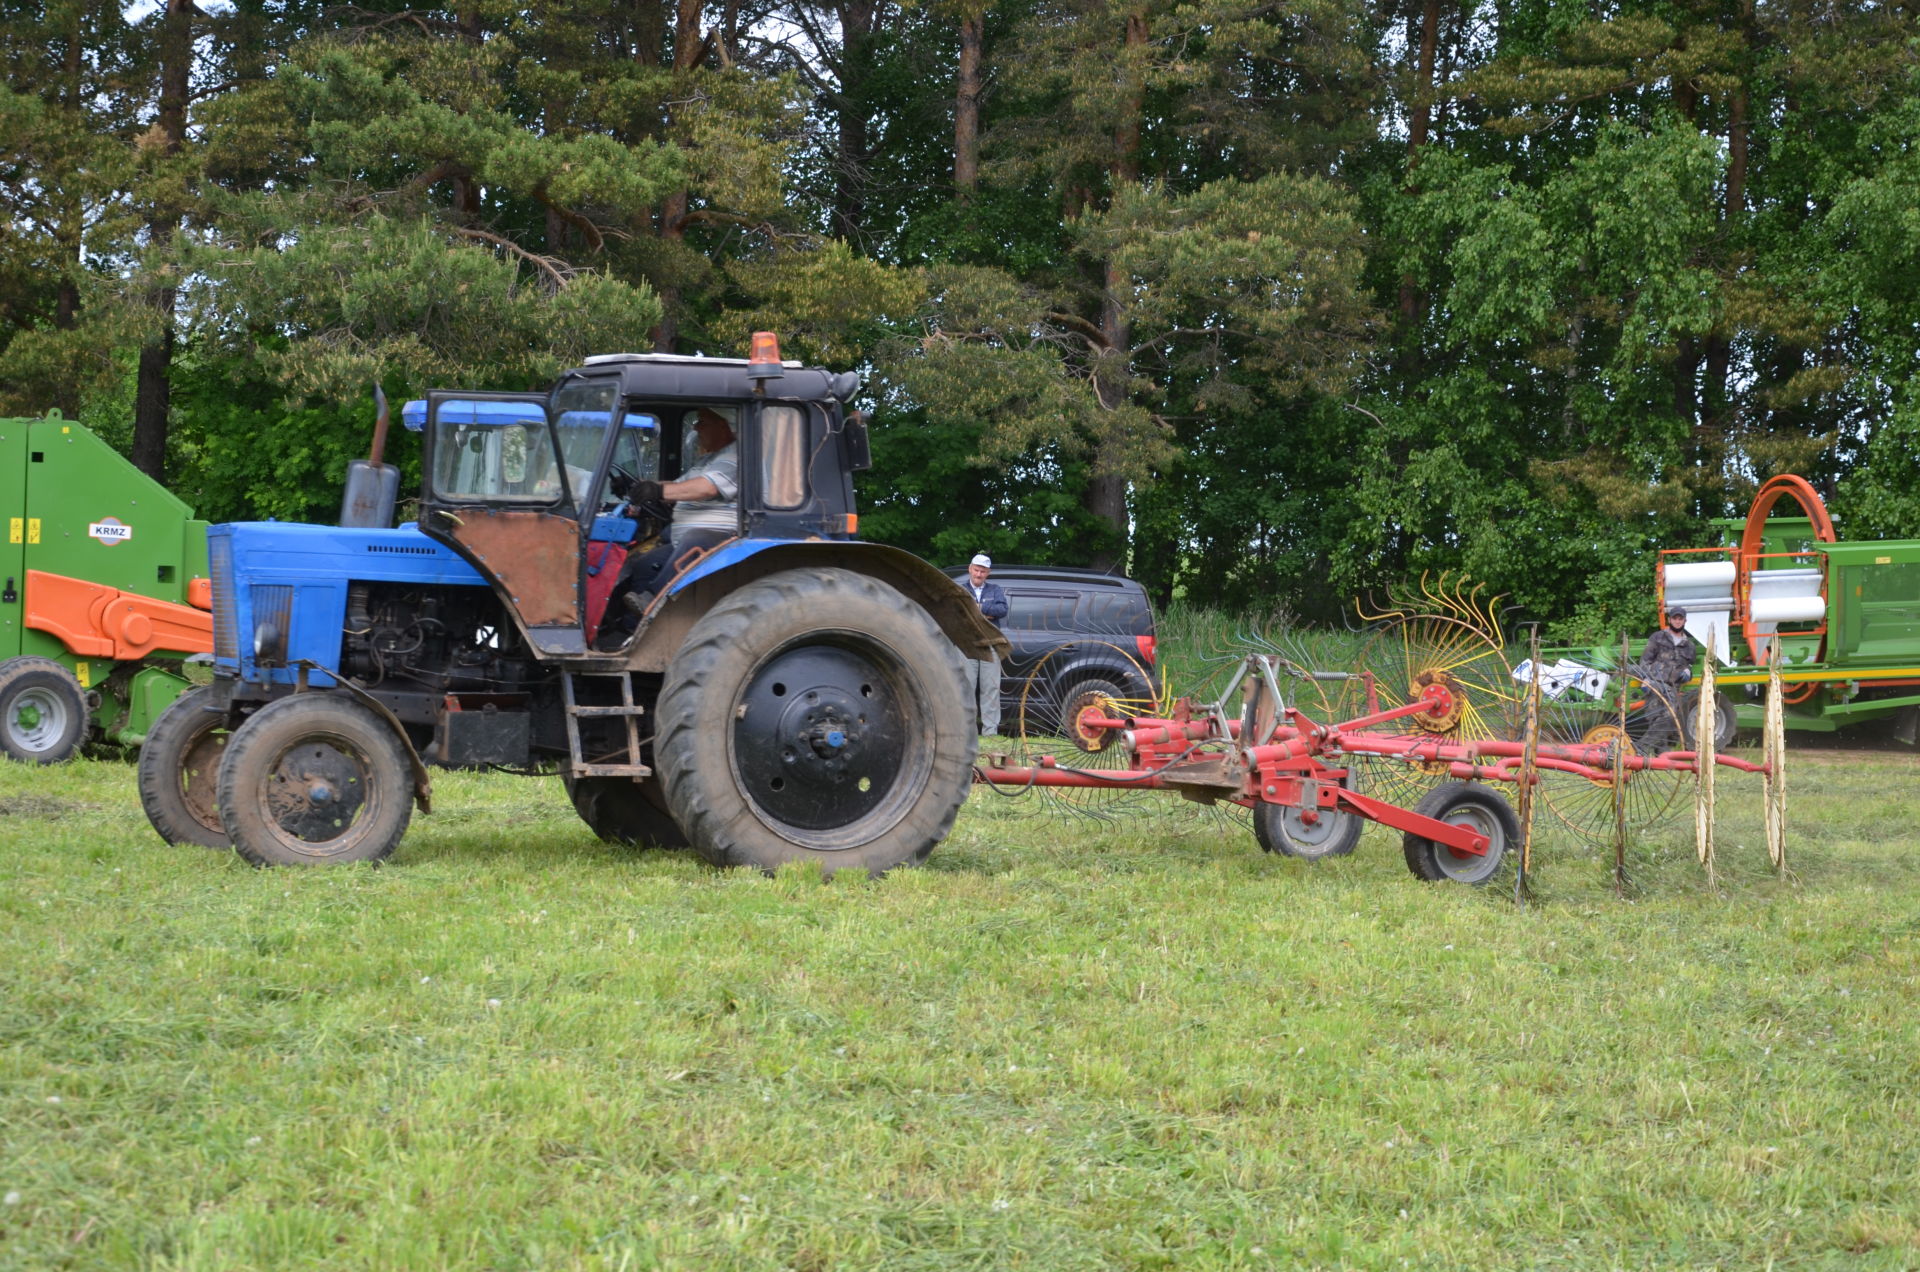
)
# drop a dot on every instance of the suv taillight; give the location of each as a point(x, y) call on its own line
point(1145, 646)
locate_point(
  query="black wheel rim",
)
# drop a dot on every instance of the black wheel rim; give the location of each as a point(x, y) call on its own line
point(199, 774)
point(316, 791)
point(1465, 867)
point(822, 744)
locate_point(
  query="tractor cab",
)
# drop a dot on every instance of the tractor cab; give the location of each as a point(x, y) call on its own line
point(531, 488)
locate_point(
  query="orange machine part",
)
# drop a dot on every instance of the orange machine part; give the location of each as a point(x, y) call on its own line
point(1753, 538)
point(103, 622)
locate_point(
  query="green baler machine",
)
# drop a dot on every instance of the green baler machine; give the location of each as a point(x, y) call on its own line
point(104, 593)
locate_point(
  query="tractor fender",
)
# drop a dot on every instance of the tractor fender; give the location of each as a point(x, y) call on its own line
point(741, 561)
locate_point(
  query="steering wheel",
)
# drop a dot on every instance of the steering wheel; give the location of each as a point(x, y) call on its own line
point(650, 517)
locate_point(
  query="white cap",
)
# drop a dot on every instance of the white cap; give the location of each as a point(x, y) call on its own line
point(983, 559)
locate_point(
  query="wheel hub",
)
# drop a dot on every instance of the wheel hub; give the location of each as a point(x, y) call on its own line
point(819, 737)
point(316, 790)
point(37, 721)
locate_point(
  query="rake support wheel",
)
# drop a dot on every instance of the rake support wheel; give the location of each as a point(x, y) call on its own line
point(1332, 833)
point(1462, 804)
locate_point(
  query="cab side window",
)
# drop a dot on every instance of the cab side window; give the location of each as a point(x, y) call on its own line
point(783, 456)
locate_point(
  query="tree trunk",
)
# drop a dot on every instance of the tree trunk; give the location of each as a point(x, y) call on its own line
point(153, 386)
point(966, 106)
point(858, 21)
point(1106, 496)
point(1419, 123)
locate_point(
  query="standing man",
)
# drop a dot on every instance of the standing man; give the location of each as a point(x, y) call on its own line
point(983, 675)
point(1666, 664)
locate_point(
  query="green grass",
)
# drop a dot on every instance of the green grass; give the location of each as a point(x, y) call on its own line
point(1064, 1044)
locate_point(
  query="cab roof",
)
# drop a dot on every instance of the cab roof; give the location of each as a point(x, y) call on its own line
point(665, 377)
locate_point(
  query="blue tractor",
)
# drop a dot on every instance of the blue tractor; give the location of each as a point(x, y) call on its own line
point(792, 695)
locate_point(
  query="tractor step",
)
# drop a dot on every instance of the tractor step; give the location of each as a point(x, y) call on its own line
point(626, 709)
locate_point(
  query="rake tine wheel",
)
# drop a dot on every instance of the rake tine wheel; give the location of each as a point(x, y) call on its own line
point(1634, 713)
point(1529, 767)
point(1774, 781)
point(1620, 785)
point(1704, 720)
point(1456, 641)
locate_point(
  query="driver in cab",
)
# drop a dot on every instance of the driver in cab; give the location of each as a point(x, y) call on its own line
point(705, 510)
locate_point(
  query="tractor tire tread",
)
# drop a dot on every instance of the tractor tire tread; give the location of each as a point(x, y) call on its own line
point(720, 834)
point(264, 731)
point(58, 677)
point(162, 757)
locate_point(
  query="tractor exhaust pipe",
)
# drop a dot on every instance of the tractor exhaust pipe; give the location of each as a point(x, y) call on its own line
point(373, 487)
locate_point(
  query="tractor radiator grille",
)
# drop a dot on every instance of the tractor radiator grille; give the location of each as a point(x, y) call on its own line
point(220, 563)
point(273, 603)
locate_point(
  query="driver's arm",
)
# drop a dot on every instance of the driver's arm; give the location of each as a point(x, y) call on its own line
point(690, 488)
point(643, 492)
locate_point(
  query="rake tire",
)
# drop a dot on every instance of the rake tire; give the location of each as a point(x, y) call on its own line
point(1462, 804)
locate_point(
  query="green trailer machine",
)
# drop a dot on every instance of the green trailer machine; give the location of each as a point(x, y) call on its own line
point(1843, 619)
point(104, 593)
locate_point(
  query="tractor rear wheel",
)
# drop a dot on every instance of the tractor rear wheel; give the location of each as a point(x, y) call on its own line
point(1462, 804)
point(43, 711)
point(1333, 833)
point(815, 715)
point(314, 780)
point(623, 811)
point(180, 767)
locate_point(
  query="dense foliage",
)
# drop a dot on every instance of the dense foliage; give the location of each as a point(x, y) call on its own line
point(1267, 303)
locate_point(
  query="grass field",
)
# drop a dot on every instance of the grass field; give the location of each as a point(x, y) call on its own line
point(1064, 1044)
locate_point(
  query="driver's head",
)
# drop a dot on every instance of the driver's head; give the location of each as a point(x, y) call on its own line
point(1676, 616)
point(712, 429)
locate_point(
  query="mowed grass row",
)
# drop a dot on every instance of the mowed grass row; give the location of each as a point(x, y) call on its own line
point(1066, 1043)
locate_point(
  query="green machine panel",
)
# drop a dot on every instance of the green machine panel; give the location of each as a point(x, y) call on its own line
point(72, 505)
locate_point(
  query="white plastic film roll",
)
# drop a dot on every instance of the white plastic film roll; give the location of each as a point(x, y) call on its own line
point(1700, 576)
point(1788, 609)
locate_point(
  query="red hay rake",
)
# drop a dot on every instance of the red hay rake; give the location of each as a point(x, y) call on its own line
point(1411, 729)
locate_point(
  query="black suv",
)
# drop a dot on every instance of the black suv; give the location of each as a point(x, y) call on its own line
point(1077, 636)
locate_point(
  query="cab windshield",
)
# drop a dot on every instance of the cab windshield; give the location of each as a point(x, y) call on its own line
point(493, 452)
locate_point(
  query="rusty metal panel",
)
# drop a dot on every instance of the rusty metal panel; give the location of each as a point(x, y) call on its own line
point(534, 555)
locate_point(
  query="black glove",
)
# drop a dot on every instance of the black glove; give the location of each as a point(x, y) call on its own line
point(643, 492)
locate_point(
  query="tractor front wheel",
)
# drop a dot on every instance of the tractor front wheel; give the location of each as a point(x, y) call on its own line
point(180, 767)
point(1472, 806)
point(815, 715)
point(43, 711)
point(623, 811)
point(314, 780)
